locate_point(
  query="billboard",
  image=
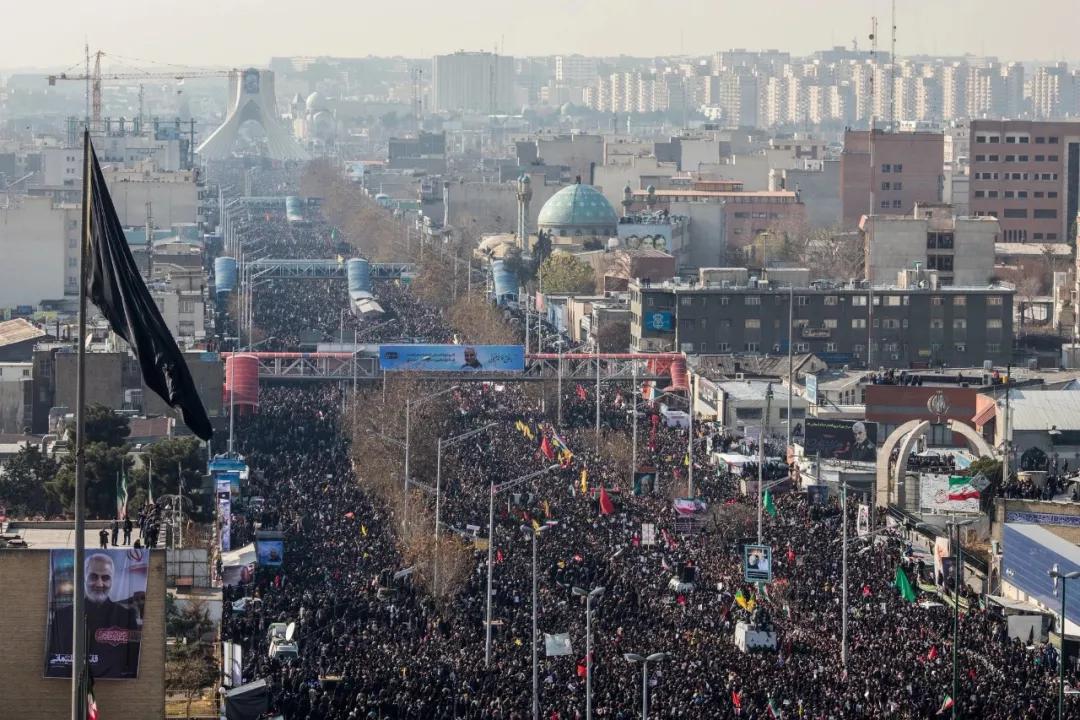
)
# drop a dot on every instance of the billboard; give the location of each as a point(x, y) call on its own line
point(271, 553)
point(452, 358)
point(115, 593)
point(841, 439)
point(935, 492)
point(757, 563)
point(811, 389)
point(661, 321)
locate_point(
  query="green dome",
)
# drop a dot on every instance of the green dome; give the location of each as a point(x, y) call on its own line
point(578, 210)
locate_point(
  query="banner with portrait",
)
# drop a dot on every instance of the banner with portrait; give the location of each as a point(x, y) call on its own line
point(115, 592)
point(757, 563)
point(841, 439)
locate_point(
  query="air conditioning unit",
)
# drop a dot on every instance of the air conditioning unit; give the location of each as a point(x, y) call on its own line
point(740, 376)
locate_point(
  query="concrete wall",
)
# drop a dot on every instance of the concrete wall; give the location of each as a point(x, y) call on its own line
point(12, 397)
point(819, 191)
point(493, 206)
point(171, 201)
point(706, 236)
point(578, 152)
point(104, 379)
point(26, 693)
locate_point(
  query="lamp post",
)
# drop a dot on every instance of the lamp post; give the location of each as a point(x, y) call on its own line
point(761, 457)
point(1064, 577)
point(534, 533)
point(438, 487)
point(655, 657)
point(589, 596)
point(495, 490)
point(958, 566)
point(408, 426)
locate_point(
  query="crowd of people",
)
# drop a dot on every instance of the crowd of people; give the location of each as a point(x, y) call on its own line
point(371, 646)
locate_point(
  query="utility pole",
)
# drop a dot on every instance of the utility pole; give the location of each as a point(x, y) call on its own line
point(1006, 435)
point(790, 358)
point(761, 459)
point(844, 595)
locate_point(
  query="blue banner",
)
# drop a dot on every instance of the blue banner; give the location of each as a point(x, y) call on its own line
point(452, 358)
point(270, 553)
point(662, 321)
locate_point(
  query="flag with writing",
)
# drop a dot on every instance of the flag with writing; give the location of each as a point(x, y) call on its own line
point(116, 287)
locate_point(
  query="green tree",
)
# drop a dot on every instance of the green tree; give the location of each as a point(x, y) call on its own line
point(565, 273)
point(23, 483)
point(105, 455)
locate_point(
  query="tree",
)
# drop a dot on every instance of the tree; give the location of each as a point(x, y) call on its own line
point(835, 254)
point(23, 483)
point(565, 273)
point(105, 455)
point(103, 425)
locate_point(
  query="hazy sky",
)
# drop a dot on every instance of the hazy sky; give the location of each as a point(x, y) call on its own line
point(238, 32)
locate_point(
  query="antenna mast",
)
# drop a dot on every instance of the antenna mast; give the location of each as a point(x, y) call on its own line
point(892, 72)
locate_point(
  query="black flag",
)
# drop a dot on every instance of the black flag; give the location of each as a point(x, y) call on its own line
point(117, 289)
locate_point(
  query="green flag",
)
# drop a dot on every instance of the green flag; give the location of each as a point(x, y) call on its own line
point(121, 495)
point(770, 506)
point(904, 585)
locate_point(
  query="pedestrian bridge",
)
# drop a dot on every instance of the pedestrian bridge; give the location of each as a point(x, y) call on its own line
point(284, 268)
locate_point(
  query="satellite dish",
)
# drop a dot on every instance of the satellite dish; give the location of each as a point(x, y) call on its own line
point(290, 631)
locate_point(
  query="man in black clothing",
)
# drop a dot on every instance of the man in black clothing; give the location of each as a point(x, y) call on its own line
point(127, 529)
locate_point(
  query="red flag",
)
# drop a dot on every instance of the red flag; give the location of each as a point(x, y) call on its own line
point(582, 668)
point(350, 515)
point(545, 447)
point(933, 653)
point(498, 556)
point(736, 700)
point(866, 591)
point(668, 539)
point(581, 392)
point(790, 556)
point(606, 506)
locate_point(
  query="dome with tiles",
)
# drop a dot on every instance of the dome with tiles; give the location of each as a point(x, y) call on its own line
point(578, 210)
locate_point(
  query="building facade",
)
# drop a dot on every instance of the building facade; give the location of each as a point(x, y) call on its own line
point(881, 326)
point(1027, 175)
point(896, 171)
point(480, 82)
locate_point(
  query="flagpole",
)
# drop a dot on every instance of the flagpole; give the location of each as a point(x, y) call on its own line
point(78, 613)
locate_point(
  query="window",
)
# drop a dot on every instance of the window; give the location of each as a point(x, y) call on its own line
point(1010, 140)
point(1009, 194)
point(801, 347)
point(724, 347)
point(1021, 158)
point(937, 300)
point(1010, 158)
point(898, 186)
point(1016, 212)
point(886, 186)
point(703, 323)
point(1040, 141)
point(1040, 158)
point(1037, 236)
point(993, 347)
point(1051, 236)
point(750, 347)
point(829, 347)
point(890, 324)
point(980, 193)
point(980, 138)
point(802, 300)
point(752, 324)
point(858, 300)
point(991, 193)
point(897, 204)
point(1053, 141)
point(885, 167)
point(884, 204)
point(746, 413)
point(993, 158)
point(993, 324)
point(1051, 193)
point(1046, 214)
point(832, 300)
point(1022, 194)
point(858, 323)
point(752, 299)
point(829, 323)
point(898, 168)
point(937, 324)
point(980, 158)
point(960, 347)
point(187, 307)
point(960, 300)
point(959, 324)
point(1038, 193)
point(893, 300)
point(724, 300)
point(1052, 158)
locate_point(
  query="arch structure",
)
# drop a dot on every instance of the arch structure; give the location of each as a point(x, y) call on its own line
point(890, 486)
point(251, 97)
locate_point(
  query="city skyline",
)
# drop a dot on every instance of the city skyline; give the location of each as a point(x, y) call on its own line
point(227, 36)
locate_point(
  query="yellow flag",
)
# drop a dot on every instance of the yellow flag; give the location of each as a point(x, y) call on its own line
point(517, 641)
point(529, 433)
point(584, 481)
point(686, 459)
point(363, 530)
point(547, 509)
point(536, 525)
point(750, 605)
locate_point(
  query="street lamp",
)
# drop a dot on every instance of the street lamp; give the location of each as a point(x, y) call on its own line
point(408, 413)
point(761, 456)
point(760, 495)
point(589, 596)
point(1065, 577)
point(655, 657)
point(958, 565)
point(438, 487)
point(495, 490)
point(534, 533)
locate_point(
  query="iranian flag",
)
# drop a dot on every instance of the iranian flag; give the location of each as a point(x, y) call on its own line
point(960, 488)
point(947, 705)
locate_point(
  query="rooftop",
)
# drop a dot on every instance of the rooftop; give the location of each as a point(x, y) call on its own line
point(19, 330)
point(1043, 409)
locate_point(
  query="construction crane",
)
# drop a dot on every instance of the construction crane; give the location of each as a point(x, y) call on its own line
point(96, 77)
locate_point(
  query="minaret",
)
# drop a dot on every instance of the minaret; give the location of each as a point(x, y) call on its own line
point(627, 200)
point(524, 195)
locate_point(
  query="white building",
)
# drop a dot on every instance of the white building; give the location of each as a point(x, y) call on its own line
point(472, 81)
point(173, 196)
point(39, 250)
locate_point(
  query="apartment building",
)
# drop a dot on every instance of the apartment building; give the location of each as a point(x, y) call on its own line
point(897, 170)
point(1026, 174)
point(895, 326)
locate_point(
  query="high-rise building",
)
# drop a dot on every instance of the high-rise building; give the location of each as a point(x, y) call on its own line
point(1053, 92)
point(576, 70)
point(899, 170)
point(1027, 175)
point(480, 82)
